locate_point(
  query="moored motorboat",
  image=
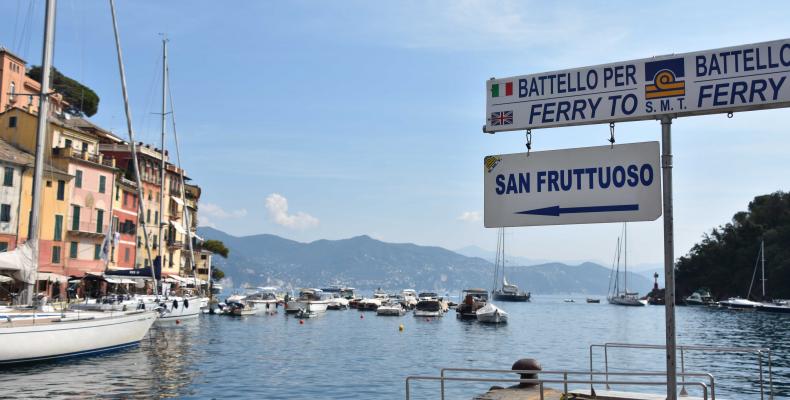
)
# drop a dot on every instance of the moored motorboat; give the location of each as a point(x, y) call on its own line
point(240, 309)
point(491, 314)
point(391, 309)
point(473, 300)
point(740, 303)
point(593, 300)
point(337, 302)
point(428, 307)
point(700, 297)
point(409, 298)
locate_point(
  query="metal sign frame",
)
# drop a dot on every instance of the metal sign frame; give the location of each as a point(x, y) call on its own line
point(664, 85)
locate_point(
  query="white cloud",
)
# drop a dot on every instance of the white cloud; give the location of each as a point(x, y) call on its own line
point(277, 205)
point(470, 216)
point(215, 211)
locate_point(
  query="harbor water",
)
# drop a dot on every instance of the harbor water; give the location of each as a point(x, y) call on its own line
point(354, 355)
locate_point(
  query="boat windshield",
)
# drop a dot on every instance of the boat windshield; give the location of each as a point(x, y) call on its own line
point(428, 305)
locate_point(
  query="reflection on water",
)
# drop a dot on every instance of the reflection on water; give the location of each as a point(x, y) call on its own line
point(341, 355)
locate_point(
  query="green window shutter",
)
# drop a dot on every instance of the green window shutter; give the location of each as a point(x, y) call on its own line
point(75, 218)
point(102, 183)
point(8, 177)
point(58, 227)
point(73, 250)
point(96, 251)
point(99, 220)
point(3, 247)
point(56, 254)
point(61, 190)
point(78, 179)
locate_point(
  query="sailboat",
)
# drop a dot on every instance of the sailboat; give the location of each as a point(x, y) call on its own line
point(746, 303)
point(27, 335)
point(508, 291)
point(616, 296)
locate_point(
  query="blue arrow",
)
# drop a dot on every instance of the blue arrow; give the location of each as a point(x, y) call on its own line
point(557, 210)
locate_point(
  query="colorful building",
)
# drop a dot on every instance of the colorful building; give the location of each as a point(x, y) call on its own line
point(124, 244)
point(19, 90)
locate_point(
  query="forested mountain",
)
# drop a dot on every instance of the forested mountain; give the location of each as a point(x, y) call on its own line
point(724, 261)
point(367, 263)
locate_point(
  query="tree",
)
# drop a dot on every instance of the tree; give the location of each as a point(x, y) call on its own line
point(83, 101)
point(216, 247)
point(217, 274)
point(724, 260)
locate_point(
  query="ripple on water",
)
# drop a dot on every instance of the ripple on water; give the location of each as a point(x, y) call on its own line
point(341, 356)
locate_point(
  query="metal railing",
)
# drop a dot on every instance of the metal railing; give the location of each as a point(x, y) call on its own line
point(758, 351)
point(565, 381)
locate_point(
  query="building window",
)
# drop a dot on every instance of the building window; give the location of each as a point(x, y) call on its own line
point(3, 247)
point(67, 143)
point(73, 250)
point(126, 254)
point(156, 217)
point(148, 216)
point(56, 254)
point(139, 242)
point(102, 183)
point(75, 218)
point(117, 193)
point(78, 179)
point(146, 263)
point(5, 213)
point(8, 176)
point(99, 220)
point(96, 251)
point(61, 190)
point(58, 227)
point(84, 147)
point(12, 122)
point(116, 224)
point(125, 198)
point(12, 90)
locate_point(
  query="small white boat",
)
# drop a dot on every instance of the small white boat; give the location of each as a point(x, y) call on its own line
point(241, 309)
point(627, 299)
point(264, 302)
point(368, 304)
point(393, 309)
point(570, 300)
point(491, 314)
point(337, 302)
point(312, 300)
point(410, 299)
point(699, 298)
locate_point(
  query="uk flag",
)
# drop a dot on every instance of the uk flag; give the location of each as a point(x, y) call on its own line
point(502, 118)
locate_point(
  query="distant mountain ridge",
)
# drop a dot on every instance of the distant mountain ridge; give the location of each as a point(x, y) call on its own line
point(366, 263)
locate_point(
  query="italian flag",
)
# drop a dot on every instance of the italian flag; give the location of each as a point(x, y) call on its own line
point(502, 89)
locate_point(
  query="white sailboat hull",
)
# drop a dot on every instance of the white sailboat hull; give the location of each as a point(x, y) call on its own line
point(49, 340)
point(627, 301)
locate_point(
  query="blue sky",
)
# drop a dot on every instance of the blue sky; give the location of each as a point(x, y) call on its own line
point(365, 117)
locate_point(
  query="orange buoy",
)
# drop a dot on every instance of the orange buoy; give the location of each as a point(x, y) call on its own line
point(301, 322)
point(178, 322)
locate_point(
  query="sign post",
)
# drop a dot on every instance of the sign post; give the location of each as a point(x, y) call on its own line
point(669, 257)
point(726, 80)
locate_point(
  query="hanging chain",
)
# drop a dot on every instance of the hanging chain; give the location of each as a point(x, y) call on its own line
point(529, 141)
point(611, 134)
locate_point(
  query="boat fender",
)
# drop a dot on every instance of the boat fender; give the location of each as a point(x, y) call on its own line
point(186, 303)
point(175, 304)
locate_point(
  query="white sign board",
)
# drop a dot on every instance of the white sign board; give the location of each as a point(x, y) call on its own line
point(714, 81)
point(574, 186)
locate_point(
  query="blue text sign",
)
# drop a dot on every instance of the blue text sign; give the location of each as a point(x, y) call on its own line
point(741, 78)
point(573, 186)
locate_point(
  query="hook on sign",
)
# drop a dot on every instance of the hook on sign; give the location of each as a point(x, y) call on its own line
point(611, 134)
point(729, 114)
point(529, 141)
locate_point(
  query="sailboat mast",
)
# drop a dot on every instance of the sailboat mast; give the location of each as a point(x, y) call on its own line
point(184, 212)
point(762, 255)
point(162, 154)
point(496, 258)
point(41, 137)
point(132, 144)
point(625, 256)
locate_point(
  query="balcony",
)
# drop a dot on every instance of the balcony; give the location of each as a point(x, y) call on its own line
point(87, 228)
point(83, 155)
point(175, 244)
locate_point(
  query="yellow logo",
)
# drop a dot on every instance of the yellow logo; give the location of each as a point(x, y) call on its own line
point(490, 162)
point(666, 78)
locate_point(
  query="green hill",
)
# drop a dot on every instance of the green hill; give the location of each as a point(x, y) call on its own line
point(724, 260)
